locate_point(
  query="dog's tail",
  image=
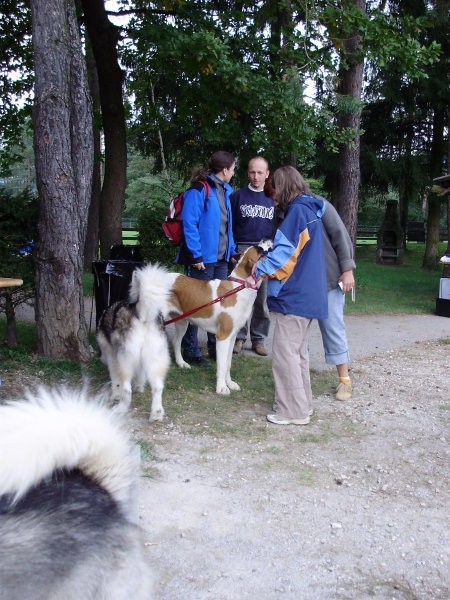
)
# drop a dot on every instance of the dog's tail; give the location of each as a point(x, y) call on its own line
point(150, 289)
point(61, 429)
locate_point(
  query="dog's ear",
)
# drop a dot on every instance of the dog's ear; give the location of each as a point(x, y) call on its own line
point(264, 245)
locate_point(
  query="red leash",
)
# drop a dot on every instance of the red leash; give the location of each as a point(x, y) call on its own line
point(235, 290)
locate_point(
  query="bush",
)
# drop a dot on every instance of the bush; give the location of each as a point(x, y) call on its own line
point(18, 232)
point(155, 247)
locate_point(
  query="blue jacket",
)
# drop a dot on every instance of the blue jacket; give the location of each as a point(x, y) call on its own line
point(201, 225)
point(296, 263)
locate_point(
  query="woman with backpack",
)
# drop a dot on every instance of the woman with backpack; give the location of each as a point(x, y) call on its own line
point(208, 236)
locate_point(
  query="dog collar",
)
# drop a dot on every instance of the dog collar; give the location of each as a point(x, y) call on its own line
point(242, 282)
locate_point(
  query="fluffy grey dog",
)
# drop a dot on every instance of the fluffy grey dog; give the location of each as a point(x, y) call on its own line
point(68, 502)
point(132, 339)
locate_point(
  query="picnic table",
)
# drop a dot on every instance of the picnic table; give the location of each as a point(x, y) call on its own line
point(6, 282)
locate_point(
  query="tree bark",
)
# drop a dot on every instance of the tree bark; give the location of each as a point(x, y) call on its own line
point(11, 330)
point(92, 237)
point(350, 85)
point(406, 185)
point(431, 254)
point(63, 154)
point(104, 37)
point(448, 171)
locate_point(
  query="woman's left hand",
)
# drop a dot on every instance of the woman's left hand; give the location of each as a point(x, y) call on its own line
point(348, 281)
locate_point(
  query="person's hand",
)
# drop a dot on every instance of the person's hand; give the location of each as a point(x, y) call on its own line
point(199, 266)
point(348, 281)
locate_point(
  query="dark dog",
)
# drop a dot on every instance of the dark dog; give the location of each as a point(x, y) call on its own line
point(68, 511)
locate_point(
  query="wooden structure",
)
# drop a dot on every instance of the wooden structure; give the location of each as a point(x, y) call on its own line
point(6, 282)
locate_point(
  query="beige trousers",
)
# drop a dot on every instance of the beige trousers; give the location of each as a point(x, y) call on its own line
point(290, 365)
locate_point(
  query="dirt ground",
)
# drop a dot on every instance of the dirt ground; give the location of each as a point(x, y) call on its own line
point(352, 506)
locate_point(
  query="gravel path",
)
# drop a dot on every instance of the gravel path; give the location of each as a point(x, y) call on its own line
point(353, 506)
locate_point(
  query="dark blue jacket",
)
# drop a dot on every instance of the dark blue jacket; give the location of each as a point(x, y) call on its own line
point(252, 216)
point(296, 263)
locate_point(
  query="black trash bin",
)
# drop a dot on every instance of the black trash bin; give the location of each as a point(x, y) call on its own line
point(112, 280)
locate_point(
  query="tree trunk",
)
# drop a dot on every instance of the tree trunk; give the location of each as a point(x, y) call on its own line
point(432, 255)
point(406, 183)
point(63, 154)
point(349, 86)
point(11, 330)
point(104, 37)
point(448, 172)
point(92, 237)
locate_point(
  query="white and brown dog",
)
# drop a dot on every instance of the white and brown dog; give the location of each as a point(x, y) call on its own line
point(132, 339)
point(223, 317)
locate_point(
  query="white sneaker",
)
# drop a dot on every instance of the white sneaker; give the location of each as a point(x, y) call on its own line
point(445, 259)
point(275, 407)
point(279, 420)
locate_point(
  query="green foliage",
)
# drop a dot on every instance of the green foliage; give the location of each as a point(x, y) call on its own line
point(207, 75)
point(16, 77)
point(139, 182)
point(17, 162)
point(18, 224)
point(396, 152)
point(151, 212)
point(389, 39)
point(215, 87)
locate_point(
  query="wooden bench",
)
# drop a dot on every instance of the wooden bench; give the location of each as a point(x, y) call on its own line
point(369, 232)
point(7, 282)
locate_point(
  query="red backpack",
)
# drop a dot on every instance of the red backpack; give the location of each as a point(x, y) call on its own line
point(173, 225)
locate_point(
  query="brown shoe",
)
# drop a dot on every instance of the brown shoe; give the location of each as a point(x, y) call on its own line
point(238, 345)
point(260, 348)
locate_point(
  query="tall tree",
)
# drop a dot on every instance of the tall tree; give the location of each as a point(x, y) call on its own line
point(438, 95)
point(349, 86)
point(104, 37)
point(63, 152)
point(92, 236)
point(389, 40)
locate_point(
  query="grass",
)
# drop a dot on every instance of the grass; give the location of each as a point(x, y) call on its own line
point(190, 398)
point(404, 289)
point(194, 407)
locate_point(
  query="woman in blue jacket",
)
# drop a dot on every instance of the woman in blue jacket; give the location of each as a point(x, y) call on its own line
point(297, 293)
point(208, 237)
